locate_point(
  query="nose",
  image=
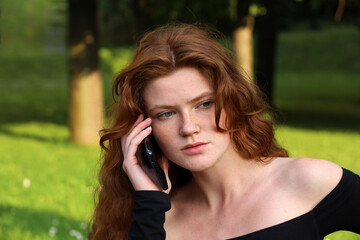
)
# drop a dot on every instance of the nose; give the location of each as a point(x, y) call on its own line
point(189, 125)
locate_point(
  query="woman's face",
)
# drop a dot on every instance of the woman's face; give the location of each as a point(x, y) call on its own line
point(182, 109)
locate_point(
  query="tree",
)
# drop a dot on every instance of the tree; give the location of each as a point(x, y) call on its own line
point(85, 83)
point(257, 21)
point(266, 41)
point(243, 38)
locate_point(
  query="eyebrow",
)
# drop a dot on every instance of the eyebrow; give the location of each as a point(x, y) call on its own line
point(194, 100)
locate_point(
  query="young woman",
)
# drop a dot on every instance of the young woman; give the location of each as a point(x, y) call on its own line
point(227, 176)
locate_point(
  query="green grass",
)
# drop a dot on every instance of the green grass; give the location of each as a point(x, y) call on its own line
point(60, 179)
point(317, 92)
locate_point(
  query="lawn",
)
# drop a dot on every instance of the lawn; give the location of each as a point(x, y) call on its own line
point(46, 181)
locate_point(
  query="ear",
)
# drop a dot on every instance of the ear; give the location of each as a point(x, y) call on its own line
point(224, 121)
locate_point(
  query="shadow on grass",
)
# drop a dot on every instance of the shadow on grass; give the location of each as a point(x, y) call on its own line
point(23, 223)
point(39, 110)
point(319, 120)
point(53, 138)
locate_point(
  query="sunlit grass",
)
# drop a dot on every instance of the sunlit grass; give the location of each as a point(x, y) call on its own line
point(46, 182)
point(337, 146)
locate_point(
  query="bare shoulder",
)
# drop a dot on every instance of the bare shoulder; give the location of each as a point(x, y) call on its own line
point(310, 178)
point(312, 171)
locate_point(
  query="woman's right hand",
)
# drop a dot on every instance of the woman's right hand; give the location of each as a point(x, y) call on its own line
point(137, 172)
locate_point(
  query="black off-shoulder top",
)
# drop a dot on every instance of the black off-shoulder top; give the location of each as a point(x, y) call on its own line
point(339, 210)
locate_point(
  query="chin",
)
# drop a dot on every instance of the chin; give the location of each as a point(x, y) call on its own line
point(196, 164)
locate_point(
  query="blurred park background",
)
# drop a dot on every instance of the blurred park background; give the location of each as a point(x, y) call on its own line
point(47, 176)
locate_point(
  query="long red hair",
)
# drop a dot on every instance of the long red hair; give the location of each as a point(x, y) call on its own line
point(159, 53)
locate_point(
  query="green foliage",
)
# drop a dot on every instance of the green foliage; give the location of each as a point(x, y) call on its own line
point(27, 22)
point(46, 182)
point(318, 78)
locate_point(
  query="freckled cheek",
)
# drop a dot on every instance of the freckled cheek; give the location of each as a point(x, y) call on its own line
point(164, 136)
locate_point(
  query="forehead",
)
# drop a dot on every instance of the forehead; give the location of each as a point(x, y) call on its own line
point(184, 84)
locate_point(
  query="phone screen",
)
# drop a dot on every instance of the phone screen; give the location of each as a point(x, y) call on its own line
point(151, 152)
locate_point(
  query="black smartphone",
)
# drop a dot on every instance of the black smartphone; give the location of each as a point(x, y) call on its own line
point(151, 152)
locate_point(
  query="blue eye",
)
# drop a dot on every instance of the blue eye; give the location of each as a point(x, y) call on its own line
point(206, 104)
point(166, 115)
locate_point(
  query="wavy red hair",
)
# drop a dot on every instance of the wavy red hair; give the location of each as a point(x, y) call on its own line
point(159, 53)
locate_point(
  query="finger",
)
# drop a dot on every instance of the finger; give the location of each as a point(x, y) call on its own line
point(134, 143)
point(138, 128)
point(138, 120)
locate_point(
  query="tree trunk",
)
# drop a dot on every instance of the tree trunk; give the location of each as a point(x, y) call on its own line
point(243, 46)
point(266, 39)
point(143, 19)
point(85, 83)
point(243, 38)
point(339, 10)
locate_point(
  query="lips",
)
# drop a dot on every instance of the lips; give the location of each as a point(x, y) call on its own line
point(194, 148)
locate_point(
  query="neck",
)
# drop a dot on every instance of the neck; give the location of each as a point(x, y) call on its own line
point(230, 178)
